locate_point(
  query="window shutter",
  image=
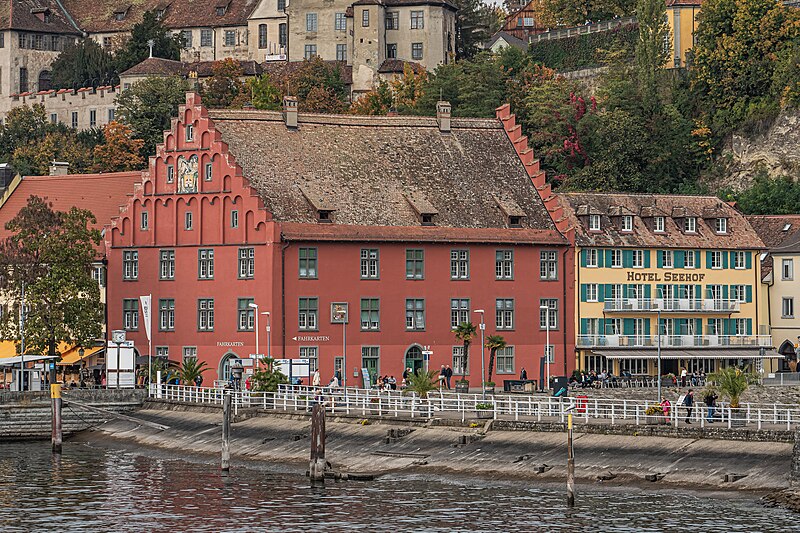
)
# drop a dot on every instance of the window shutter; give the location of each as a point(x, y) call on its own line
point(725, 259)
point(608, 291)
point(679, 258)
point(708, 259)
point(748, 259)
point(660, 258)
point(627, 258)
point(659, 291)
point(647, 258)
point(647, 289)
point(627, 326)
point(749, 326)
point(583, 292)
point(625, 293)
point(749, 292)
point(600, 291)
point(584, 325)
point(608, 257)
point(724, 292)
point(583, 257)
point(647, 331)
point(726, 326)
point(698, 326)
point(696, 258)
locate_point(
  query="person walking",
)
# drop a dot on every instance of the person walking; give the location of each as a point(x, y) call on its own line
point(711, 403)
point(688, 402)
point(442, 378)
point(315, 381)
point(523, 374)
point(448, 374)
point(683, 377)
point(665, 408)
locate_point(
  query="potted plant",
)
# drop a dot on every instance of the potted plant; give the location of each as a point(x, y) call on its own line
point(730, 383)
point(655, 411)
point(421, 382)
point(464, 332)
point(488, 386)
point(669, 380)
point(484, 410)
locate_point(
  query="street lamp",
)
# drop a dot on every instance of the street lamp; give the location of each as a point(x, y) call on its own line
point(269, 337)
point(254, 306)
point(483, 372)
point(546, 309)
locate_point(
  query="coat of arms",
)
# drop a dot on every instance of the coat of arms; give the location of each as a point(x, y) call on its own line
point(187, 174)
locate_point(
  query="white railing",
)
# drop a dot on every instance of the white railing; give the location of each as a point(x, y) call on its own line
point(709, 305)
point(580, 30)
point(674, 341)
point(366, 402)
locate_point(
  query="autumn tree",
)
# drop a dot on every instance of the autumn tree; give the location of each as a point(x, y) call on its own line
point(50, 253)
point(148, 108)
point(577, 12)
point(165, 44)
point(378, 101)
point(34, 158)
point(319, 86)
point(651, 55)
point(23, 124)
point(120, 152)
point(225, 87)
point(82, 64)
point(264, 94)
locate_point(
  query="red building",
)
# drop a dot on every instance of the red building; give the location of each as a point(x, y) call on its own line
point(414, 222)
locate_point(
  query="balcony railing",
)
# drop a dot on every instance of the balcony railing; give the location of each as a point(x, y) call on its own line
point(671, 305)
point(674, 341)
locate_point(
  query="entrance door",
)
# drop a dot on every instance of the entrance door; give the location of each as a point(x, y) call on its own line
point(225, 366)
point(414, 359)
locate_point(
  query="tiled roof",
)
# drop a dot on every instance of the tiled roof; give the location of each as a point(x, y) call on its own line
point(680, 3)
point(25, 15)
point(156, 66)
point(778, 232)
point(740, 235)
point(398, 65)
point(366, 168)
point(102, 194)
point(99, 15)
point(511, 40)
point(398, 3)
point(281, 69)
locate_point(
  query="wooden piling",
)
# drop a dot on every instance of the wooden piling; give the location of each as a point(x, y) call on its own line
point(316, 468)
point(570, 465)
point(56, 404)
point(226, 432)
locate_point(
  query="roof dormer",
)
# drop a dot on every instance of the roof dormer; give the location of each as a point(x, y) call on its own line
point(321, 203)
point(221, 7)
point(423, 208)
point(121, 12)
point(42, 13)
point(591, 217)
point(512, 210)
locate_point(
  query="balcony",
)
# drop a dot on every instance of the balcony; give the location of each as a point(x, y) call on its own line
point(674, 341)
point(671, 305)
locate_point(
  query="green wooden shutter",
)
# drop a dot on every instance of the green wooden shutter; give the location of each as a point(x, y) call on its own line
point(698, 326)
point(660, 258)
point(748, 258)
point(647, 258)
point(679, 258)
point(627, 258)
point(601, 258)
point(697, 259)
point(584, 326)
point(724, 292)
point(647, 293)
point(627, 326)
point(600, 292)
point(625, 293)
point(647, 331)
point(725, 259)
point(749, 293)
point(583, 292)
point(749, 326)
point(608, 291)
point(608, 257)
point(726, 326)
point(708, 259)
point(583, 257)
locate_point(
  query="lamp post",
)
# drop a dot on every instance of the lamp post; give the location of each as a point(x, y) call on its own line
point(269, 336)
point(658, 354)
point(254, 306)
point(483, 372)
point(546, 309)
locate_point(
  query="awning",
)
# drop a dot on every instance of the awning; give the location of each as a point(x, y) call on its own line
point(73, 355)
point(688, 354)
point(9, 361)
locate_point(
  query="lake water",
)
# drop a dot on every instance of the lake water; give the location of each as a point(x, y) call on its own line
point(94, 488)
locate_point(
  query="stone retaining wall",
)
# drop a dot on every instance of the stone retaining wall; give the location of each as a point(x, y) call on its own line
point(788, 394)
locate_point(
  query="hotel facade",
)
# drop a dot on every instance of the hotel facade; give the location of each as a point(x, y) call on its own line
point(679, 272)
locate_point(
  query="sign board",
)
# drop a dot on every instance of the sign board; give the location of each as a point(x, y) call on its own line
point(365, 378)
point(246, 362)
point(118, 336)
point(311, 338)
point(120, 360)
point(294, 368)
point(339, 312)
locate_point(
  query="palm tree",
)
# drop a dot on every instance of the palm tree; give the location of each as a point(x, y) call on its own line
point(421, 382)
point(191, 369)
point(731, 382)
point(494, 343)
point(465, 332)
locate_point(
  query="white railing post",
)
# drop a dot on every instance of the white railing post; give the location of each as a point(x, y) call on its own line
point(759, 419)
point(637, 415)
point(729, 418)
point(788, 420)
point(612, 414)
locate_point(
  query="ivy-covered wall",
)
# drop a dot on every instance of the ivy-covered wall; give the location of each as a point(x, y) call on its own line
point(582, 51)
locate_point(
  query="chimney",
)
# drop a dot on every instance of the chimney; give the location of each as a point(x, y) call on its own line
point(443, 116)
point(290, 111)
point(59, 168)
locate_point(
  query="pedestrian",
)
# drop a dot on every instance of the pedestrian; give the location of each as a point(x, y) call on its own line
point(406, 373)
point(523, 374)
point(688, 402)
point(683, 377)
point(666, 406)
point(315, 381)
point(711, 403)
point(442, 378)
point(448, 374)
point(198, 380)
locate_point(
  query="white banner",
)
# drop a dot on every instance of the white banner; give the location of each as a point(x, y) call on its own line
point(146, 301)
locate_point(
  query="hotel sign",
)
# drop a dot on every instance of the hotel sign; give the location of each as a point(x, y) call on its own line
point(666, 276)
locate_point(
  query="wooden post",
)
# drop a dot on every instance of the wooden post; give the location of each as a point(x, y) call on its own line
point(570, 465)
point(226, 432)
point(316, 468)
point(55, 395)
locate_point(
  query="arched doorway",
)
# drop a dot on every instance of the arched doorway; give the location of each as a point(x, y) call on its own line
point(414, 358)
point(224, 372)
point(787, 350)
point(45, 80)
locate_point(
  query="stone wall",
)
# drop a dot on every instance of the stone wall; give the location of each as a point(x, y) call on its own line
point(755, 394)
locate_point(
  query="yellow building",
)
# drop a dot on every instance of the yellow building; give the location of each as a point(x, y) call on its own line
point(682, 20)
point(682, 271)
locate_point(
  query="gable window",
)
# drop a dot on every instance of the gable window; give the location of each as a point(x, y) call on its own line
point(504, 313)
point(659, 224)
point(262, 36)
point(247, 263)
point(627, 223)
point(415, 264)
point(787, 269)
point(459, 311)
point(205, 314)
point(220, 11)
point(189, 132)
point(721, 225)
point(144, 222)
point(209, 171)
point(247, 314)
point(166, 315)
point(205, 263)
point(187, 221)
point(417, 20)
point(459, 264)
point(234, 219)
point(281, 5)
point(308, 262)
point(340, 22)
point(594, 222)
point(370, 267)
point(307, 314)
point(170, 173)
point(130, 265)
point(504, 264)
point(365, 18)
point(167, 264)
point(311, 22)
point(690, 225)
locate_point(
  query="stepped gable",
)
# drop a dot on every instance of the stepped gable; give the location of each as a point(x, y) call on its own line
point(105, 16)
point(373, 171)
point(578, 205)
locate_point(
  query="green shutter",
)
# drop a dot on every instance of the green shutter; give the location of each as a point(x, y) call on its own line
point(660, 258)
point(698, 292)
point(608, 257)
point(697, 259)
point(726, 326)
point(748, 259)
point(584, 325)
point(659, 290)
point(725, 259)
point(625, 291)
point(583, 292)
point(679, 258)
point(583, 257)
point(627, 326)
point(749, 326)
point(647, 293)
point(647, 331)
point(647, 258)
point(698, 326)
point(608, 291)
point(749, 292)
point(708, 259)
point(600, 292)
point(724, 292)
point(627, 258)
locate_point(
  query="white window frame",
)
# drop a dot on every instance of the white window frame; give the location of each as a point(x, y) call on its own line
point(787, 304)
point(690, 225)
point(686, 260)
point(638, 259)
point(716, 260)
point(594, 223)
point(721, 226)
point(592, 292)
point(787, 269)
point(668, 260)
point(627, 223)
point(659, 225)
point(739, 260)
point(591, 258)
point(616, 258)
